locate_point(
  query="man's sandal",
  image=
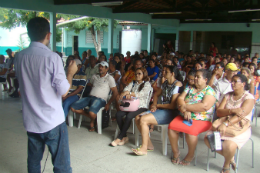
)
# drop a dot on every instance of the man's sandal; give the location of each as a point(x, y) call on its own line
point(225, 170)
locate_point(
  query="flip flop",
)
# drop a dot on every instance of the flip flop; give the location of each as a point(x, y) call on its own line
point(185, 162)
point(147, 148)
point(176, 160)
point(91, 129)
point(139, 153)
point(225, 170)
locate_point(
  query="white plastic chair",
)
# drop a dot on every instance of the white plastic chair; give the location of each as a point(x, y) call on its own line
point(99, 117)
point(72, 115)
point(1, 90)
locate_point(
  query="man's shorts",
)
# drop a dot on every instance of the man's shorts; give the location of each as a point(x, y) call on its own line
point(92, 102)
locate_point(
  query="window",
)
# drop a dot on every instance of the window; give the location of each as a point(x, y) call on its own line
point(89, 37)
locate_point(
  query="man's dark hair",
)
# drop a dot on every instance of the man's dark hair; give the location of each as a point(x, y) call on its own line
point(221, 64)
point(92, 57)
point(245, 64)
point(151, 60)
point(113, 62)
point(38, 28)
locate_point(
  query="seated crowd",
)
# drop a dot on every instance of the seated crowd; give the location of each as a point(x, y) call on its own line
point(172, 89)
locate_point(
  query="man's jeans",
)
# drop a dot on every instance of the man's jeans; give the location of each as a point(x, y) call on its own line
point(58, 144)
point(68, 102)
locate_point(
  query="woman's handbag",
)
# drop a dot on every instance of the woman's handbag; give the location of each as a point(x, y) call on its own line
point(233, 129)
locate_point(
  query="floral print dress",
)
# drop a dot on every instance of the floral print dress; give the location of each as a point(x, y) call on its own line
point(256, 79)
point(193, 98)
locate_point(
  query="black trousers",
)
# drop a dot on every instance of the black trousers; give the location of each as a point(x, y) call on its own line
point(125, 124)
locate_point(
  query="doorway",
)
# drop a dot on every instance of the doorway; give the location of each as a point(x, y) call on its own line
point(160, 39)
point(75, 45)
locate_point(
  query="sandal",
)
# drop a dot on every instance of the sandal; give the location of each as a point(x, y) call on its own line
point(233, 165)
point(176, 160)
point(147, 148)
point(91, 129)
point(113, 144)
point(185, 162)
point(139, 153)
point(225, 170)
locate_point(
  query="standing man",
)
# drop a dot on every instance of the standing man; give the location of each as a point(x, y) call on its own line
point(43, 83)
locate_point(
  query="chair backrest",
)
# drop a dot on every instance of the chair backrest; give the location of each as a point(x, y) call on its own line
point(150, 96)
point(83, 90)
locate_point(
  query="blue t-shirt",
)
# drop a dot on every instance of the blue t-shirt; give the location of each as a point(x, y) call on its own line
point(151, 72)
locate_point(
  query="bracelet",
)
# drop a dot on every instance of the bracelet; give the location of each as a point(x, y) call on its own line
point(226, 124)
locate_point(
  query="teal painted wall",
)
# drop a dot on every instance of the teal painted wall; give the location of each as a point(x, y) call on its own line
point(83, 46)
point(254, 28)
point(3, 49)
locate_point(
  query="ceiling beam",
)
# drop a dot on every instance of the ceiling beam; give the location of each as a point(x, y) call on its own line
point(125, 5)
point(200, 9)
point(186, 3)
point(154, 4)
point(67, 2)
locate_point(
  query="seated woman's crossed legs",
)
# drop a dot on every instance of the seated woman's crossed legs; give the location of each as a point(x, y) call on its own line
point(142, 123)
point(228, 151)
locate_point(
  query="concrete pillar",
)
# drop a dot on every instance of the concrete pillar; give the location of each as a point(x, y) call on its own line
point(149, 38)
point(202, 42)
point(65, 41)
point(152, 40)
point(191, 40)
point(177, 41)
point(53, 30)
point(110, 35)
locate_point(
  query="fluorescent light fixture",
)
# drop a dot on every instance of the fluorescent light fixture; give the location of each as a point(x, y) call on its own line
point(255, 20)
point(112, 3)
point(246, 10)
point(197, 20)
point(166, 13)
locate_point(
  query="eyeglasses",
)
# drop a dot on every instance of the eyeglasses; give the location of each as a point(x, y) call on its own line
point(190, 80)
point(138, 74)
point(218, 67)
point(234, 81)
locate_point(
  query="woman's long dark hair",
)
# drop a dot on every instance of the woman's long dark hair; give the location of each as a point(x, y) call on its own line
point(68, 60)
point(255, 69)
point(176, 71)
point(243, 79)
point(145, 77)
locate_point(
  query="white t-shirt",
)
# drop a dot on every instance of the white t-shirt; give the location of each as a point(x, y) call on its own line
point(222, 87)
point(102, 85)
point(2, 67)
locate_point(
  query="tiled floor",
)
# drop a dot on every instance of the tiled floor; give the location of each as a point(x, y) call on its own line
point(90, 151)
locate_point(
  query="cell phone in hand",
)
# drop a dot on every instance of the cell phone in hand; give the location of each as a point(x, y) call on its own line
point(188, 123)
